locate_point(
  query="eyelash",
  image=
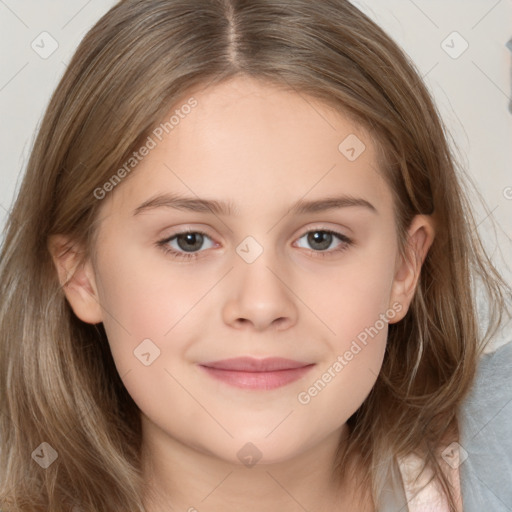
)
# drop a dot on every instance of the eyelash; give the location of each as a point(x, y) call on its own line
point(163, 244)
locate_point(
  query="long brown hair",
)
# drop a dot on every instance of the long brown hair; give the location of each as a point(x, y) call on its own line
point(58, 382)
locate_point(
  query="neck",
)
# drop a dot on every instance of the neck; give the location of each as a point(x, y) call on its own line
point(186, 478)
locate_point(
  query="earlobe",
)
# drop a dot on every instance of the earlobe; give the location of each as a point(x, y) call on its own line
point(76, 278)
point(421, 235)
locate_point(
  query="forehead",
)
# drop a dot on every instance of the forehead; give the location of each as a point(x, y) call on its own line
point(256, 146)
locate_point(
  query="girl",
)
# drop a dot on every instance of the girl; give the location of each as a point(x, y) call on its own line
point(239, 273)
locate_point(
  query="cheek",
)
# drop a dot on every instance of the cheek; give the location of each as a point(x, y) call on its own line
point(354, 304)
point(142, 301)
point(357, 312)
point(353, 295)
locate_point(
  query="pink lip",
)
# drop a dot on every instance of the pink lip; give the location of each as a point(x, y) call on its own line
point(251, 373)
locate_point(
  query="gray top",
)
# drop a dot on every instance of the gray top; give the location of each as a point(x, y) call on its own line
point(485, 438)
point(486, 435)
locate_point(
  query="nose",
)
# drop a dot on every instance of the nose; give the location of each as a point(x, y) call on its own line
point(260, 296)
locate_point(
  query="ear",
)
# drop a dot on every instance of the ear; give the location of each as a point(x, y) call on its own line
point(76, 278)
point(420, 235)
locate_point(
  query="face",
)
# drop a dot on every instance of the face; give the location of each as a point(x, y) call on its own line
point(305, 267)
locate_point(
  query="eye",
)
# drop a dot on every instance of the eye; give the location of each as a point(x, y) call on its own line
point(322, 239)
point(188, 241)
point(187, 244)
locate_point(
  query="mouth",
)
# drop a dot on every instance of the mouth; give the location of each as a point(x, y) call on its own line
point(260, 374)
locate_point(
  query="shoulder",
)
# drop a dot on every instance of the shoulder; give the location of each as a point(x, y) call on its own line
point(486, 416)
point(482, 457)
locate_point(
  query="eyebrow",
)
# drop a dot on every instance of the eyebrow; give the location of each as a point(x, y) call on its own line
point(301, 207)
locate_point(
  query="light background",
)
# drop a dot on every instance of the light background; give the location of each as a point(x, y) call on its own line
point(472, 90)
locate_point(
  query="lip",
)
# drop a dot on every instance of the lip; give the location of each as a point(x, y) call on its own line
point(252, 373)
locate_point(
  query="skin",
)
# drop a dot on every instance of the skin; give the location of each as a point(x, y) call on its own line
point(261, 148)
